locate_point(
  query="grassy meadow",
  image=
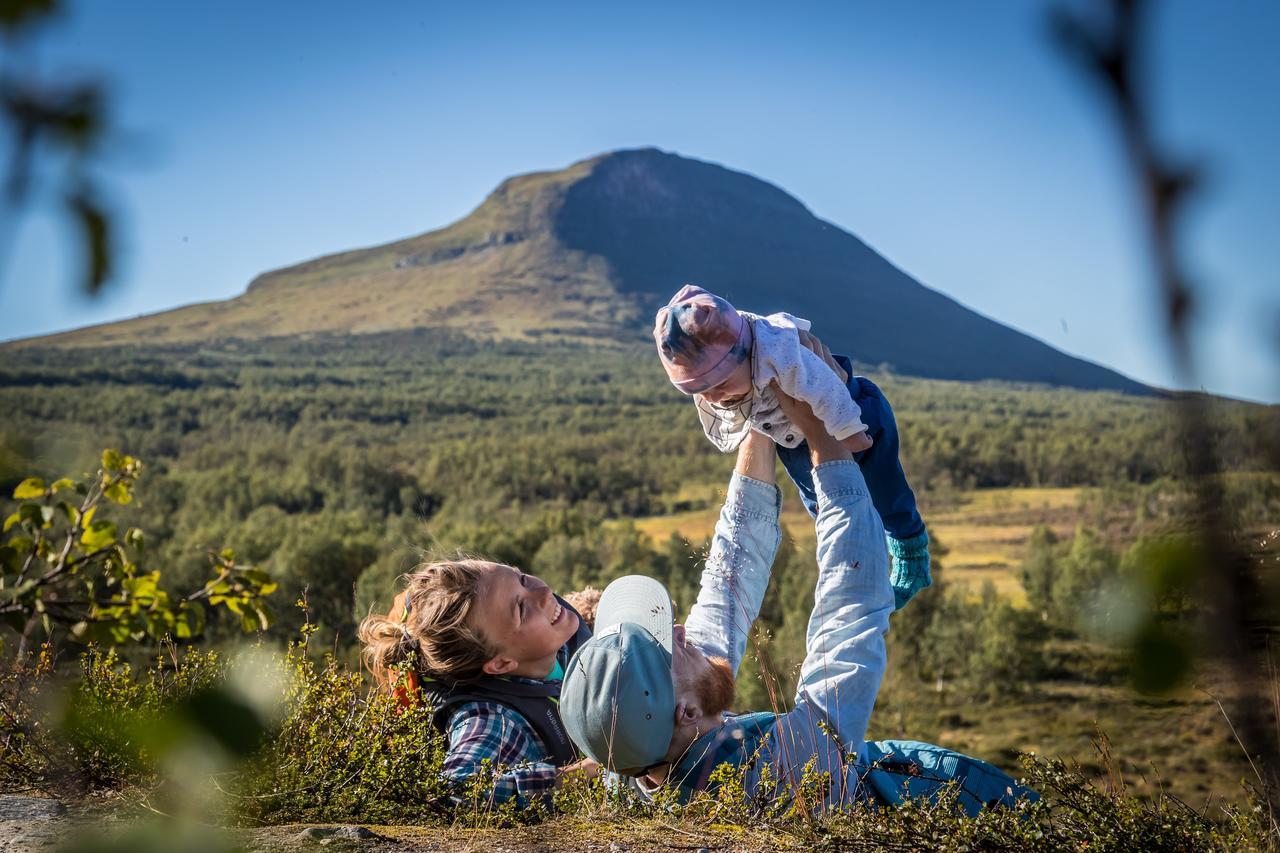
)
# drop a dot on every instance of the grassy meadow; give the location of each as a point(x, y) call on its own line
point(985, 531)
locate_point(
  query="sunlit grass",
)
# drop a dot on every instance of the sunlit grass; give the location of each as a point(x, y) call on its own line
point(985, 531)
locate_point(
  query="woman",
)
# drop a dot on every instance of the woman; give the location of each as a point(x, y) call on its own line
point(486, 645)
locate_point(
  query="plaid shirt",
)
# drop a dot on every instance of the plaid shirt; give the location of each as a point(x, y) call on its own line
point(516, 756)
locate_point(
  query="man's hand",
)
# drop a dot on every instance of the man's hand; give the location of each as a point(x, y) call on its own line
point(822, 446)
point(810, 342)
point(579, 771)
point(853, 443)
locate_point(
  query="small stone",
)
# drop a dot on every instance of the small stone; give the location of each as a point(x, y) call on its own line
point(313, 833)
point(30, 808)
point(615, 847)
point(338, 835)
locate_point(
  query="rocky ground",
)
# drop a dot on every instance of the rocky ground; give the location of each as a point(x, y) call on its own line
point(30, 824)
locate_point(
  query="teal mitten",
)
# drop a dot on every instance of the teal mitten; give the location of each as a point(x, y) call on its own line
point(910, 572)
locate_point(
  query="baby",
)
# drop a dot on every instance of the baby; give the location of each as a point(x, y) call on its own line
point(727, 361)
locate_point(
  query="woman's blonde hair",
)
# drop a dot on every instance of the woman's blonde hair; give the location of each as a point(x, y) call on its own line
point(430, 625)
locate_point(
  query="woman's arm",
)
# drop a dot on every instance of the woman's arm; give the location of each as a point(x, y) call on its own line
point(491, 748)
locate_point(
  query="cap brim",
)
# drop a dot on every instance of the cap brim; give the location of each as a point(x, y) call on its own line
point(639, 600)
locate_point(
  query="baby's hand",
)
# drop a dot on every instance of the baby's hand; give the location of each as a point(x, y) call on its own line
point(859, 442)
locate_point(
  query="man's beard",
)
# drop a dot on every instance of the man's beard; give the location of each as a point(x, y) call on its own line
point(715, 687)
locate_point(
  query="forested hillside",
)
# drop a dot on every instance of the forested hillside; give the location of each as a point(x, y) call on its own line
point(335, 462)
point(333, 457)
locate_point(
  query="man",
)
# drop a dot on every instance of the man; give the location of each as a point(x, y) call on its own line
point(646, 698)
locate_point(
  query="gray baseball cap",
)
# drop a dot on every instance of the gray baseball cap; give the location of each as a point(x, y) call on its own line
point(618, 701)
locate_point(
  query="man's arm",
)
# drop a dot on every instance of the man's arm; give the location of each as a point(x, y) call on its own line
point(845, 646)
point(737, 570)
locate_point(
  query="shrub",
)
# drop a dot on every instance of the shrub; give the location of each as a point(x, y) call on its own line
point(66, 568)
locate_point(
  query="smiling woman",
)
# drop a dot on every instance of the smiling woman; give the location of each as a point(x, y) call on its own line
point(485, 645)
point(524, 621)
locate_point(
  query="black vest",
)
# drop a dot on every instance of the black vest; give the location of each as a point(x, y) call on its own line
point(538, 703)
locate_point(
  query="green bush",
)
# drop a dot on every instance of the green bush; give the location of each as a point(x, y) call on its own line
point(983, 649)
point(67, 570)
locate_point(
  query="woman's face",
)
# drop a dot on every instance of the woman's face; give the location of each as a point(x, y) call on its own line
point(519, 615)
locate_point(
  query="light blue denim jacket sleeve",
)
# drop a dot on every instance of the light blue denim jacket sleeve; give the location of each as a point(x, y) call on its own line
point(736, 574)
point(845, 646)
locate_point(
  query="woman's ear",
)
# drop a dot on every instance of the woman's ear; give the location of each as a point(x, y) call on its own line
point(499, 665)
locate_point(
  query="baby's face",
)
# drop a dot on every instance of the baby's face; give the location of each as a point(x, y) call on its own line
point(733, 391)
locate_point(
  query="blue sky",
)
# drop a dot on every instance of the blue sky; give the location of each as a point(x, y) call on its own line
point(951, 137)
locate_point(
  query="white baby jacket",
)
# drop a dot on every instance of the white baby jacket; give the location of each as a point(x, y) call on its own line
point(777, 354)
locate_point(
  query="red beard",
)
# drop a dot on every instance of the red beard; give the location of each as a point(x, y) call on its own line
point(715, 687)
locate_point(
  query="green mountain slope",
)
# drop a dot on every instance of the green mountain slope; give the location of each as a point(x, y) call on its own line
point(588, 253)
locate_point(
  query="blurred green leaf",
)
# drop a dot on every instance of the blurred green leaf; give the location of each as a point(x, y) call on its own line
point(72, 513)
point(190, 620)
point(32, 487)
point(1161, 659)
point(256, 576)
point(95, 231)
point(20, 545)
point(100, 534)
point(143, 586)
point(156, 837)
point(226, 717)
point(119, 492)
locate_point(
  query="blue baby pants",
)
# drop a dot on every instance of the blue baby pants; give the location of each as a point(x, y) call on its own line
point(886, 481)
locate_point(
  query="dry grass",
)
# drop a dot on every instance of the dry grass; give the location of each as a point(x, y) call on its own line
point(566, 832)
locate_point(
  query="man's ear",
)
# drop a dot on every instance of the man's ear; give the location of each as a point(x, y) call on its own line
point(687, 714)
point(499, 665)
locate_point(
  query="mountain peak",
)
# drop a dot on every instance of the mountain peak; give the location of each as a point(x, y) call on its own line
point(668, 182)
point(588, 252)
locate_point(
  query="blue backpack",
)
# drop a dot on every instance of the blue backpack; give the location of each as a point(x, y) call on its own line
point(902, 769)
